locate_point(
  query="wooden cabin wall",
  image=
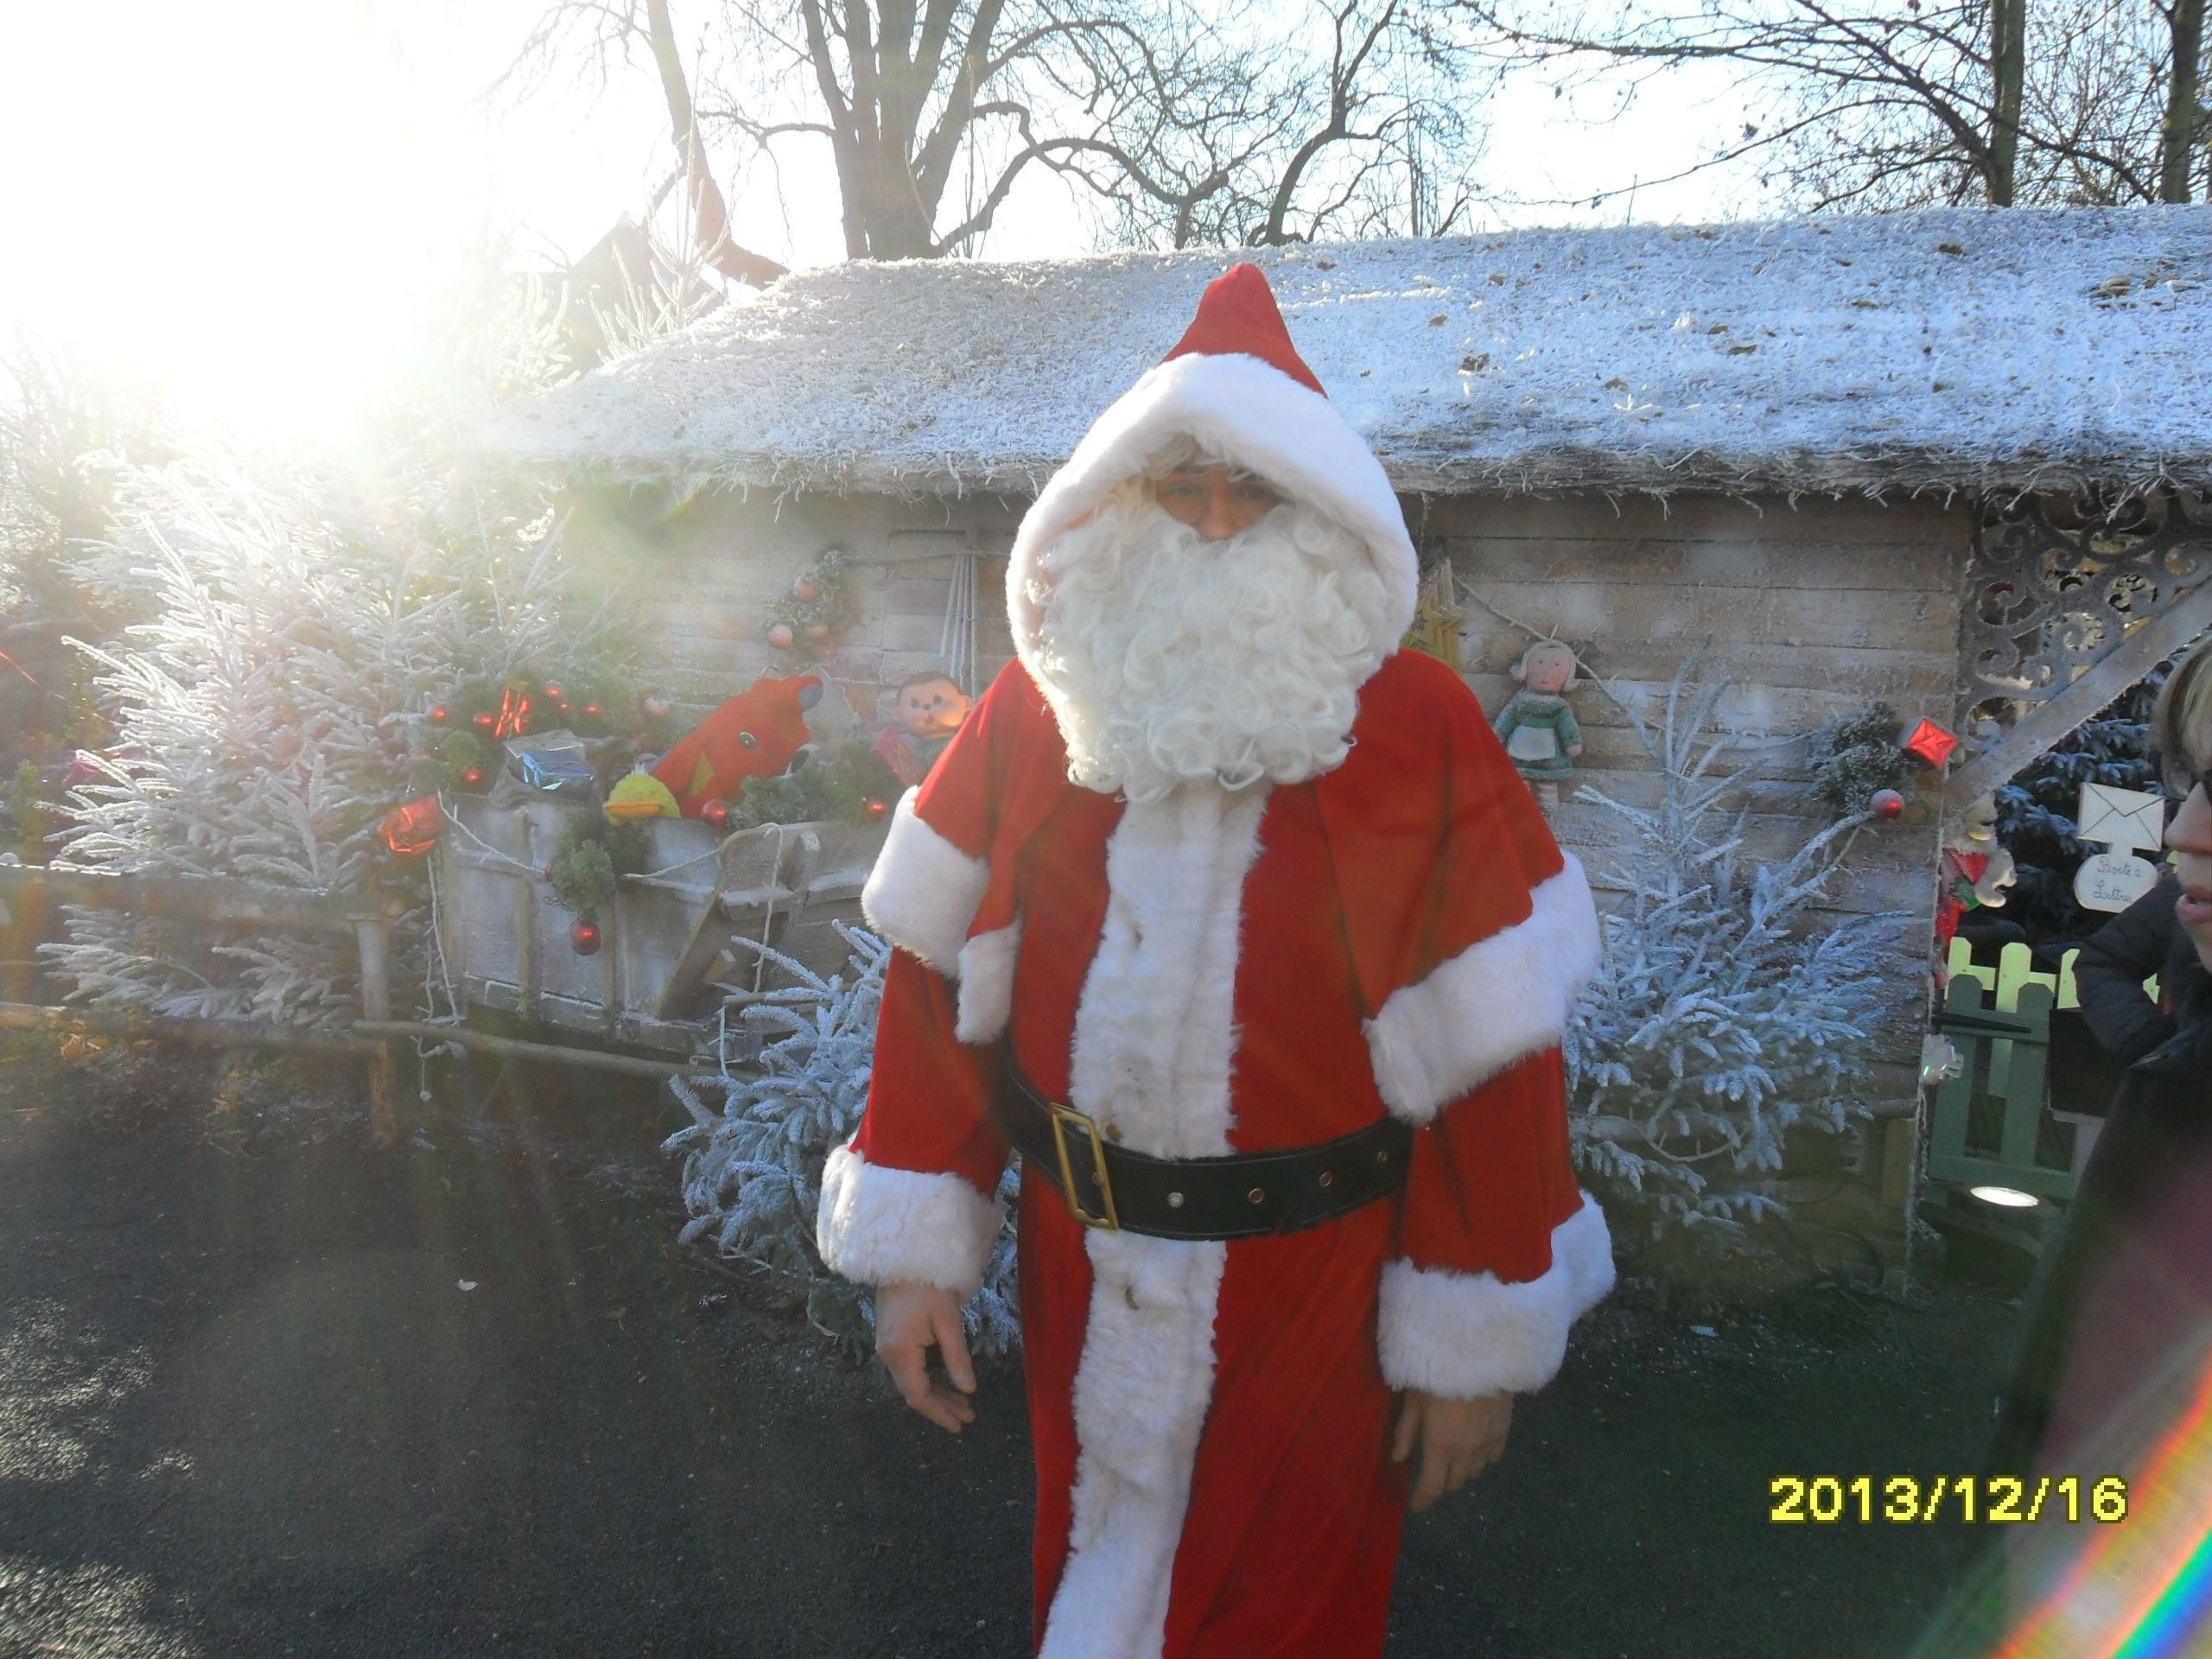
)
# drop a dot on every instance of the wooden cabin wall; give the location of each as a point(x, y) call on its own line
point(1811, 611)
point(709, 573)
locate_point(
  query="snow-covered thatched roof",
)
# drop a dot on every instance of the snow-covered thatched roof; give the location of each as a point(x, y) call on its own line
point(1953, 349)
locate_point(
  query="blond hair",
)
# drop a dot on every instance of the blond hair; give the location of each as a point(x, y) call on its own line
point(2181, 720)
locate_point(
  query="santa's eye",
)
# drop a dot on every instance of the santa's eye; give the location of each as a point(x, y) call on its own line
point(748, 739)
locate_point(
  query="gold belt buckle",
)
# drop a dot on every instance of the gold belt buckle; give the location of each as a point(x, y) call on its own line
point(1062, 1116)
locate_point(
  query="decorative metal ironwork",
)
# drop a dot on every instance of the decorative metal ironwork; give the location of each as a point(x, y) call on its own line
point(2056, 582)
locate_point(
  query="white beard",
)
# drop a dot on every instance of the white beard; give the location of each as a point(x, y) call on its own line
point(1169, 659)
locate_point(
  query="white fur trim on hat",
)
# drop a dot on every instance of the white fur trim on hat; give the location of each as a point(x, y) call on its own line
point(924, 891)
point(878, 1225)
point(1250, 413)
point(1466, 1334)
point(1500, 999)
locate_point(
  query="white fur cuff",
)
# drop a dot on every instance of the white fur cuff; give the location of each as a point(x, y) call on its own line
point(1499, 1000)
point(1464, 1334)
point(879, 1225)
point(924, 891)
point(986, 978)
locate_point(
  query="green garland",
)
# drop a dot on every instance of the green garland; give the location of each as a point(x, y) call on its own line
point(833, 788)
point(831, 610)
point(1854, 755)
point(591, 855)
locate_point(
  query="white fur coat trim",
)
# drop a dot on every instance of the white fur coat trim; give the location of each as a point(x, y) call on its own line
point(1464, 1334)
point(878, 1225)
point(1500, 999)
point(986, 975)
point(1250, 413)
point(1155, 1039)
point(923, 891)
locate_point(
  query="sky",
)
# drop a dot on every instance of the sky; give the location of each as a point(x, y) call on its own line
point(239, 200)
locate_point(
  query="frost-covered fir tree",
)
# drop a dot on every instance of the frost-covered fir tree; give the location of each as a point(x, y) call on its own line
point(768, 1104)
point(301, 612)
point(1727, 1012)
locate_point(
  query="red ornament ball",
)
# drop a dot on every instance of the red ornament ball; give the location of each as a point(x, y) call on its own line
point(1886, 806)
point(473, 777)
point(439, 713)
point(781, 636)
point(817, 630)
point(591, 711)
point(583, 937)
point(874, 809)
point(553, 689)
point(715, 814)
point(806, 590)
point(485, 719)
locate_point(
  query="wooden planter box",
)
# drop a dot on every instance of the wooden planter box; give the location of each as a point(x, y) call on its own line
point(670, 949)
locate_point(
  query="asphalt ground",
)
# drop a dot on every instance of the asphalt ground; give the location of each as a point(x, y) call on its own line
point(265, 1389)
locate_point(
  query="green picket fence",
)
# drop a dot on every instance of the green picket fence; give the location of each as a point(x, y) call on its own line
point(1987, 1124)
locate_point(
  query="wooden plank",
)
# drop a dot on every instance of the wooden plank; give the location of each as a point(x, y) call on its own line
point(1864, 672)
point(517, 1048)
point(207, 1034)
point(2052, 721)
point(217, 901)
point(1699, 519)
point(1602, 611)
point(1643, 561)
point(374, 940)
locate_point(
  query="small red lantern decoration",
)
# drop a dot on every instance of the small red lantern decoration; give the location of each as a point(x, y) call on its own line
point(439, 713)
point(1930, 744)
point(411, 830)
point(715, 815)
point(1886, 806)
point(806, 590)
point(584, 936)
point(781, 636)
point(485, 719)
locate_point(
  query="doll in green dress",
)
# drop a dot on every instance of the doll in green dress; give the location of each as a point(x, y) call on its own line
point(1537, 726)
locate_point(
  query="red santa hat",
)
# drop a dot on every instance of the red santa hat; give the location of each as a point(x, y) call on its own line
point(1235, 384)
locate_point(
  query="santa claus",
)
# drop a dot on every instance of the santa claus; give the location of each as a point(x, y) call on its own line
point(1238, 923)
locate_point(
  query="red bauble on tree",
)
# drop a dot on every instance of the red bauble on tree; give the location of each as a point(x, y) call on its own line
point(873, 809)
point(806, 589)
point(1886, 806)
point(485, 719)
point(473, 777)
point(715, 815)
point(439, 714)
point(781, 636)
point(584, 936)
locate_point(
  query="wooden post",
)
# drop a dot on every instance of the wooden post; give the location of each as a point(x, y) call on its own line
point(374, 935)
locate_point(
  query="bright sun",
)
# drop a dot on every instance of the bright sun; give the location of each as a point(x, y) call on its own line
point(244, 203)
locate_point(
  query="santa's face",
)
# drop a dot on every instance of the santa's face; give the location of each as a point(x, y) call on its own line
point(1215, 501)
point(1170, 657)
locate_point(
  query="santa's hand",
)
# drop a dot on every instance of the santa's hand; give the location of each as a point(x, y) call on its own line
point(1458, 1439)
point(910, 1319)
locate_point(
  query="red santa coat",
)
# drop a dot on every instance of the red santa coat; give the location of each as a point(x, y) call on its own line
point(1218, 973)
point(1234, 973)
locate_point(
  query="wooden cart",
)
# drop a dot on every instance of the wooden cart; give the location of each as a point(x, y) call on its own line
point(671, 951)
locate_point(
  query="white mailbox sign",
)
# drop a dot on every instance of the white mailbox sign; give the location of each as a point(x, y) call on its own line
point(2113, 882)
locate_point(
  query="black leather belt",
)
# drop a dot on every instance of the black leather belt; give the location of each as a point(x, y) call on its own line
point(1241, 1196)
